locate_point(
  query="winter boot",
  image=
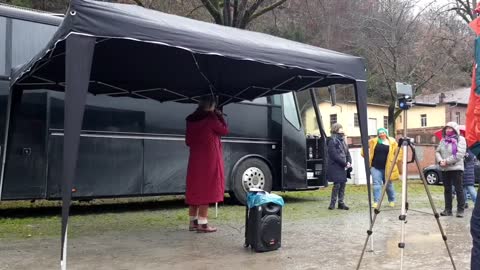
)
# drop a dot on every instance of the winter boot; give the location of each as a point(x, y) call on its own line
point(446, 213)
point(332, 206)
point(343, 206)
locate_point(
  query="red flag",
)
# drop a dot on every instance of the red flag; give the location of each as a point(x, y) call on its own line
point(475, 25)
point(472, 130)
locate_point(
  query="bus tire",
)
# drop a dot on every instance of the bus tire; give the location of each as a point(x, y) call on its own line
point(250, 173)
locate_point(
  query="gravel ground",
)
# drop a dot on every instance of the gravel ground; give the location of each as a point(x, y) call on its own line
point(329, 242)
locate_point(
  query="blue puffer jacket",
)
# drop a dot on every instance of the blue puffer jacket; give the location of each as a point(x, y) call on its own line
point(469, 172)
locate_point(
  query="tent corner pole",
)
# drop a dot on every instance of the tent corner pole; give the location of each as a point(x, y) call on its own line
point(361, 100)
point(78, 64)
point(14, 100)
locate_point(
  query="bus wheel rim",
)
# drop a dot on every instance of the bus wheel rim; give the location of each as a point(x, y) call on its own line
point(253, 177)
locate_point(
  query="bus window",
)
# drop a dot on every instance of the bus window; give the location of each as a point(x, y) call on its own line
point(260, 100)
point(290, 110)
point(3, 36)
point(28, 39)
point(276, 100)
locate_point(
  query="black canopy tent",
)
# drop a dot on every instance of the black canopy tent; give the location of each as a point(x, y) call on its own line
point(124, 50)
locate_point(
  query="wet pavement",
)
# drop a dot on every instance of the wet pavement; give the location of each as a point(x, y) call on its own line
point(320, 243)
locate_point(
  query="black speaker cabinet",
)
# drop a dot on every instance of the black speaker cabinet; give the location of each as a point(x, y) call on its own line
point(263, 227)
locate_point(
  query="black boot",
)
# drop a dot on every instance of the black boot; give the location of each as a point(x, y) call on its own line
point(460, 214)
point(446, 213)
point(332, 206)
point(343, 206)
point(466, 206)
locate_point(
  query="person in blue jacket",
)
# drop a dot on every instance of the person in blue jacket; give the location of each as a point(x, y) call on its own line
point(475, 231)
point(339, 162)
point(469, 177)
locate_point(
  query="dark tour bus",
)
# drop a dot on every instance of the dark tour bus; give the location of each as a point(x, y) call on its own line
point(135, 147)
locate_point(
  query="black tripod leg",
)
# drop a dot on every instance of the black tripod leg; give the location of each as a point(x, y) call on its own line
point(435, 213)
point(377, 210)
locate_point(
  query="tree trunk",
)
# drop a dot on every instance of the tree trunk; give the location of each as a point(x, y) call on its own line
point(391, 118)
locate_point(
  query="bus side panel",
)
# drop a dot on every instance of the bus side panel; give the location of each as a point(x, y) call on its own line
point(165, 166)
point(109, 164)
point(26, 161)
point(106, 167)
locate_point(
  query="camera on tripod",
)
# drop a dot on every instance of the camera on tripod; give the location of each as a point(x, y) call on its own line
point(404, 95)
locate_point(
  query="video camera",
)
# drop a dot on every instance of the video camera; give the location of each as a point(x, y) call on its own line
point(404, 95)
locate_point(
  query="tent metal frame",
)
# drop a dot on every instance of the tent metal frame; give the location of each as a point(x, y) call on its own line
point(75, 100)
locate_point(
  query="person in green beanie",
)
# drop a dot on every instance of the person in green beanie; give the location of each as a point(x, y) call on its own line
point(382, 153)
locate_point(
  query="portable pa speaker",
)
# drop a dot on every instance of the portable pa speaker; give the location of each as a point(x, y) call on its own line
point(263, 230)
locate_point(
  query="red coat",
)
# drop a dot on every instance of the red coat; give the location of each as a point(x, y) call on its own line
point(205, 173)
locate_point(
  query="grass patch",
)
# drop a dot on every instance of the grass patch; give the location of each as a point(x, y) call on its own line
point(23, 219)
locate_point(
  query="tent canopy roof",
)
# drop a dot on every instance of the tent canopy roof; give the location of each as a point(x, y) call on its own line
point(149, 54)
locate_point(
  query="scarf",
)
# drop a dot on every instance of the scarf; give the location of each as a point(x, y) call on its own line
point(341, 138)
point(452, 139)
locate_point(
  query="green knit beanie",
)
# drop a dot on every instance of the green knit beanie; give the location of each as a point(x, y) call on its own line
point(384, 130)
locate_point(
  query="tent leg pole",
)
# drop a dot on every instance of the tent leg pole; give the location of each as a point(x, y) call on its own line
point(14, 101)
point(78, 64)
point(361, 100)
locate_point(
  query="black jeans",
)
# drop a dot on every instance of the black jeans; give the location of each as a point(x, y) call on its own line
point(453, 178)
point(475, 231)
point(338, 190)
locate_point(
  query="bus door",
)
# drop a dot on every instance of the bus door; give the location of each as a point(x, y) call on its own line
point(294, 162)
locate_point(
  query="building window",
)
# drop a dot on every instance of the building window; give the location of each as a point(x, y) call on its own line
point(385, 121)
point(457, 117)
point(355, 120)
point(333, 119)
point(423, 120)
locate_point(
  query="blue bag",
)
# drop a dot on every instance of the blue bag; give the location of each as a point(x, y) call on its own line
point(257, 198)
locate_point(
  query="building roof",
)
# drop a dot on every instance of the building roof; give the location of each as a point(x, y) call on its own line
point(460, 96)
point(351, 102)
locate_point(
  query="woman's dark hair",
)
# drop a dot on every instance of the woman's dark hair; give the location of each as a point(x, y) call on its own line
point(206, 102)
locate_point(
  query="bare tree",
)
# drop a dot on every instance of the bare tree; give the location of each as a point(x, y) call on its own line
point(465, 9)
point(235, 13)
point(239, 13)
point(403, 44)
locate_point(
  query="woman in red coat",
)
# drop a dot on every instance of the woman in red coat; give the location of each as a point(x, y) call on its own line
point(205, 176)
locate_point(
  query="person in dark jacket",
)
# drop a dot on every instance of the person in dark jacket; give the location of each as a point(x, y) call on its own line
point(469, 177)
point(475, 232)
point(205, 173)
point(339, 161)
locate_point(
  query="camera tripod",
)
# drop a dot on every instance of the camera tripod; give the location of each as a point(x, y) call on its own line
point(405, 142)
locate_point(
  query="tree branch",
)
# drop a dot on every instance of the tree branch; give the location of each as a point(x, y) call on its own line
point(461, 12)
point(267, 9)
point(193, 10)
point(213, 9)
point(248, 13)
point(235, 13)
point(139, 3)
